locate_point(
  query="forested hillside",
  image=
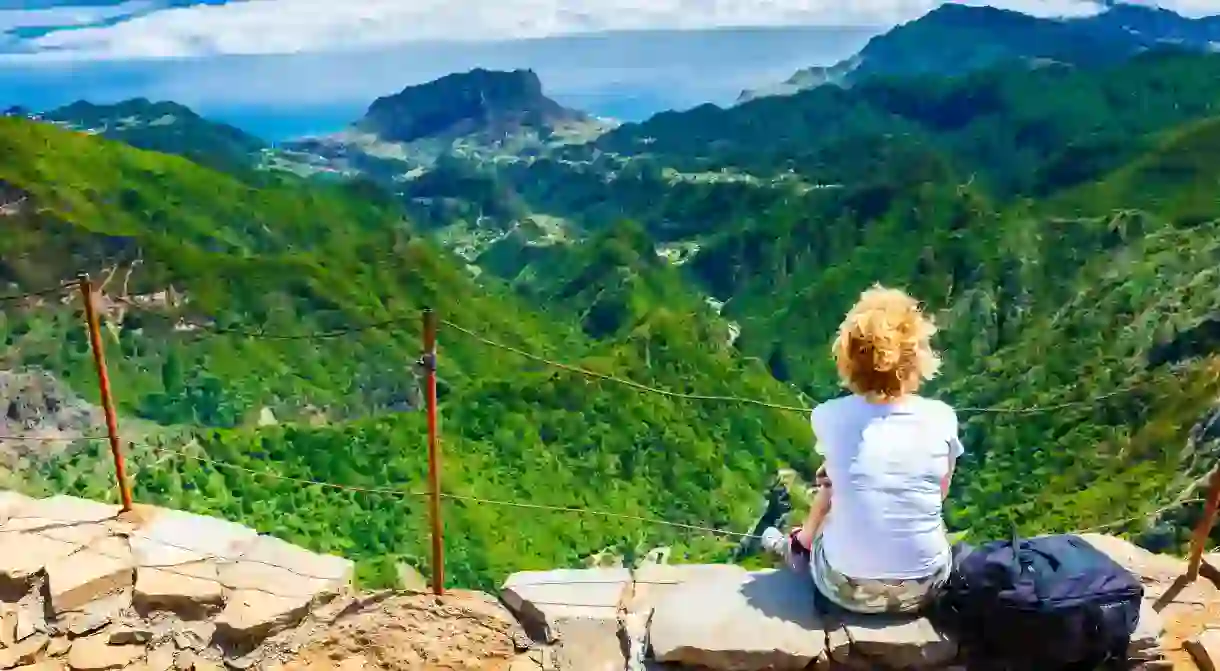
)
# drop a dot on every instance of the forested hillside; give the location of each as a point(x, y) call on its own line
point(255, 268)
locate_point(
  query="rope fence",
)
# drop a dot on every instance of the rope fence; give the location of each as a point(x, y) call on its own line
point(434, 493)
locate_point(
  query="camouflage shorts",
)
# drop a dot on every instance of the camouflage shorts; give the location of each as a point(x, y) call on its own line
point(873, 596)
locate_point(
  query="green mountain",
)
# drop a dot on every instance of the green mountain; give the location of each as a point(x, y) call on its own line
point(162, 126)
point(216, 284)
point(956, 39)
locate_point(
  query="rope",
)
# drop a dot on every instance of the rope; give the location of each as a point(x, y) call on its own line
point(340, 332)
point(575, 510)
point(53, 439)
point(610, 378)
point(1155, 513)
point(50, 291)
point(459, 497)
point(746, 401)
point(316, 335)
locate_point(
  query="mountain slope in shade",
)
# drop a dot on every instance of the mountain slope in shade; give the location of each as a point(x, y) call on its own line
point(956, 39)
point(163, 126)
point(479, 101)
point(481, 112)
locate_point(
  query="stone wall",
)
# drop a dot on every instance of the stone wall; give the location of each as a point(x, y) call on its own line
point(83, 587)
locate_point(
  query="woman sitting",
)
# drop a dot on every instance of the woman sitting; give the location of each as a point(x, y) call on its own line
point(875, 538)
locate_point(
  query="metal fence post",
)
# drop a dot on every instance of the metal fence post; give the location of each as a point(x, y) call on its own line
point(434, 457)
point(89, 297)
point(1204, 530)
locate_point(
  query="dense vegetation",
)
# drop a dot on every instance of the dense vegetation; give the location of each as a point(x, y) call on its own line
point(1059, 222)
point(255, 267)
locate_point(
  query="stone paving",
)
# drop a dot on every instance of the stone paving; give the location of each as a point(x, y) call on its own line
point(84, 587)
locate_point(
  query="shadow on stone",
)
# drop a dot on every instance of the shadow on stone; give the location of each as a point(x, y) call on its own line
point(783, 595)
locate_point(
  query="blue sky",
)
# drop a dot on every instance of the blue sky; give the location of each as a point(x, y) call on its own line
point(313, 63)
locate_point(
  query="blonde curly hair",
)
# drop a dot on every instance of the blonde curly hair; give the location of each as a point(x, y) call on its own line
point(884, 346)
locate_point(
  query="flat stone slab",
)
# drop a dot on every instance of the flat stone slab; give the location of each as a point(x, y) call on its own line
point(99, 569)
point(900, 642)
point(173, 537)
point(96, 654)
point(653, 582)
point(38, 532)
point(57, 515)
point(543, 599)
point(251, 614)
point(749, 622)
point(186, 589)
point(10, 502)
point(268, 563)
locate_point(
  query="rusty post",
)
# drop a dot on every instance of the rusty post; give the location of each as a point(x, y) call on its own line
point(89, 297)
point(434, 457)
point(1204, 530)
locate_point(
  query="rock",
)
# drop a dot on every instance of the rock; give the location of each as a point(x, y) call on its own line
point(760, 620)
point(194, 636)
point(129, 634)
point(8, 625)
point(1149, 630)
point(10, 502)
point(897, 642)
point(652, 582)
point(589, 644)
point(25, 652)
point(543, 599)
point(251, 614)
point(96, 614)
point(410, 579)
point(42, 531)
point(59, 645)
point(96, 654)
point(101, 568)
point(1206, 650)
point(188, 661)
point(30, 620)
point(187, 589)
point(293, 571)
point(1148, 565)
point(633, 632)
point(173, 538)
point(160, 659)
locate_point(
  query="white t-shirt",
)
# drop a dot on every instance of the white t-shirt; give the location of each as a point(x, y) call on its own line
point(886, 463)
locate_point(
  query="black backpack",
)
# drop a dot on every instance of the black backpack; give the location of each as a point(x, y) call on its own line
point(1048, 603)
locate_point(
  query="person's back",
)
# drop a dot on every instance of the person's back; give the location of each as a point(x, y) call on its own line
point(875, 535)
point(887, 462)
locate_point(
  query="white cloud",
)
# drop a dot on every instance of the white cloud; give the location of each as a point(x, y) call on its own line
point(295, 26)
point(65, 16)
point(298, 26)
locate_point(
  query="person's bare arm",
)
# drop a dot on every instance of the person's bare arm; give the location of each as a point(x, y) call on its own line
point(955, 449)
point(818, 509)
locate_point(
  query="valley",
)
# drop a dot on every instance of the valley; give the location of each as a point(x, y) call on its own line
point(1054, 206)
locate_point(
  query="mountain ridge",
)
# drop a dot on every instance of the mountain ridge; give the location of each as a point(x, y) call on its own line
point(950, 39)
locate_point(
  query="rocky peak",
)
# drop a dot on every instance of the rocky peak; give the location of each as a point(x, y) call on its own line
point(466, 103)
